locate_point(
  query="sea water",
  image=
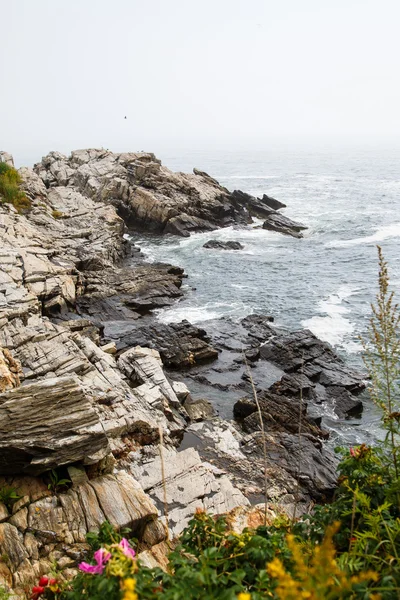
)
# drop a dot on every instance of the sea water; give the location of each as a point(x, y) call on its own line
point(350, 202)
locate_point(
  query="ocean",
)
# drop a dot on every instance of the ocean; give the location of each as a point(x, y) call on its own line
point(350, 202)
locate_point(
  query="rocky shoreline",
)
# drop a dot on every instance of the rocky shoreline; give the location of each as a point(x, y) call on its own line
point(88, 377)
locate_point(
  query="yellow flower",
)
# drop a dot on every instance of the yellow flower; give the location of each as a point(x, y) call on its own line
point(128, 587)
point(243, 596)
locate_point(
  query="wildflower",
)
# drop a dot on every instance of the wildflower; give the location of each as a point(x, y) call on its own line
point(127, 549)
point(353, 453)
point(101, 557)
point(128, 587)
point(37, 591)
point(43, 581)
point(243, 596)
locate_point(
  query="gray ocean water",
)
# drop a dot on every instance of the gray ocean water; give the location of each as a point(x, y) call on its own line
point(350, 202)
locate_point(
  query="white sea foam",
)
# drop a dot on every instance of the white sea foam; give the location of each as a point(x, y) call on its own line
point(389, 231)
point(207, 312)
point(331, 325)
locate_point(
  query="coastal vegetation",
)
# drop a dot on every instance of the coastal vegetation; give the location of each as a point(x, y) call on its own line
point(10, 192)
point(348, 548)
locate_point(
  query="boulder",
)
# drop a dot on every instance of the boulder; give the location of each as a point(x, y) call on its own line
point(218, 245)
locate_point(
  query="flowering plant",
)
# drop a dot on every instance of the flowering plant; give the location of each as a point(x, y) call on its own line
point(111, 575)
point(46, 587)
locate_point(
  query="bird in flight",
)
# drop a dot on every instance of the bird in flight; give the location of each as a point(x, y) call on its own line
point(125, 117)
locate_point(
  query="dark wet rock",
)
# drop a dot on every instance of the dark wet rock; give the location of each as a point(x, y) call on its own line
point(277, 222)
point(218, 245)
point(259, 327)
point(180, 345)
point(272, 203)
point(279, 413)
point(124, 293)
point(244, 407)
point(315, 370)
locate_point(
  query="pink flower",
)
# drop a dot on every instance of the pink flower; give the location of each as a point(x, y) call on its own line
point(101, 557)
point(127, 549)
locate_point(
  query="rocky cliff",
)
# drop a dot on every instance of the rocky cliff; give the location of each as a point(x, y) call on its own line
point(86, 386)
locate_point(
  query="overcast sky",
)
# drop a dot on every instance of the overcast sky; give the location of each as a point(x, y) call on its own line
point(196, 73)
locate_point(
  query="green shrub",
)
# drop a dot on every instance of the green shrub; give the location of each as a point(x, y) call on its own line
point(10, 191)
point(57, 214)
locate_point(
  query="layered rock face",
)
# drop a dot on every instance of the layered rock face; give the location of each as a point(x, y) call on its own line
point(68, 403)
point(89, 381)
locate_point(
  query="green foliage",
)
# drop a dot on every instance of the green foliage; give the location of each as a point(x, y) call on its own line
point(4, 595)
point(107, 534)
point(56, 214)
point(8, 495)
point(56, 482)
point(10, 191)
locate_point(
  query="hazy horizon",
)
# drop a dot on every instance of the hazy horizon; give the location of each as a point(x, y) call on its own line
point(212, 76)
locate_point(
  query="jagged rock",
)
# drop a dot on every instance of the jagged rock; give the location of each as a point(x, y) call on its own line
point(126, 293)
point(279, 413)
point(47, 424)
point(323, 374)
point(259, 327)
point(148, 195)
point(144, 366)
point(179, 344)
point(189, 485)
point(218, 245)
point(77, 475)
point(277, 222)
point(272, 203)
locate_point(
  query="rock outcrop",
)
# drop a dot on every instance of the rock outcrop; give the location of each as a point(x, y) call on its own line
point(149, 196)
point(90, 382)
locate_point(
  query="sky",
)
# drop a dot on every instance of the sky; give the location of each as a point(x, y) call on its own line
point(196, 74)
